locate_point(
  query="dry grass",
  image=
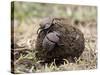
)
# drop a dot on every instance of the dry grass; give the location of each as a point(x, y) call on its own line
point(27, 60)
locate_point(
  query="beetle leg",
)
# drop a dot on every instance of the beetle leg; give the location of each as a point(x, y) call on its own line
point(38, 30)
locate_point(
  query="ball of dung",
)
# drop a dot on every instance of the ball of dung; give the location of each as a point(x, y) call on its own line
point(59, 41)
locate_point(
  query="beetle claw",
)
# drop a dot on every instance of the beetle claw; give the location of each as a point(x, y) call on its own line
point(38, 31)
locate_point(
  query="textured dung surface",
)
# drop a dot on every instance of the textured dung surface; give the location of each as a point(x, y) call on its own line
point(72, 39)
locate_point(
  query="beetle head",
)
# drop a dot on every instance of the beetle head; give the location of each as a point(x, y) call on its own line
point(45, 24)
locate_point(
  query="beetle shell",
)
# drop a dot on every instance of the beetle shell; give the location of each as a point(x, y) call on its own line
point(50, 40)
